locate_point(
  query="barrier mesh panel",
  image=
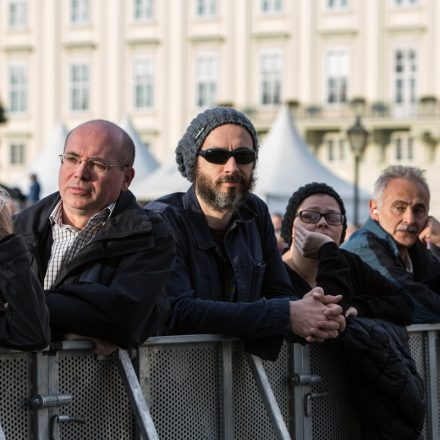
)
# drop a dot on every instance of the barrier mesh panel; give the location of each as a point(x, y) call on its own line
point(334, 417)
point(183, 388)
point(251, 420)
point(15, 388)
point(98, 395)
point(420, 355)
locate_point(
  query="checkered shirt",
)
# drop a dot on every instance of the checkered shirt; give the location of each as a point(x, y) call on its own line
point(68, 241)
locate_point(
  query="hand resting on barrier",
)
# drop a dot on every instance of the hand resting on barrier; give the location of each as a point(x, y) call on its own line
point(102, 347)
point(317, 317)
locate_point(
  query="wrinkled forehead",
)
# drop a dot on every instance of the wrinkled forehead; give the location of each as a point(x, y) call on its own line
point(407, 191)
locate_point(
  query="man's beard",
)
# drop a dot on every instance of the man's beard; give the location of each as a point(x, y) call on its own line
point(231, 198)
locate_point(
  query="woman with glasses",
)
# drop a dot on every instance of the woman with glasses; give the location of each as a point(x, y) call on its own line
point(313, 227)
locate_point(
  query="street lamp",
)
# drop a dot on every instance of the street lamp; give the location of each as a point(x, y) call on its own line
point(357, 136)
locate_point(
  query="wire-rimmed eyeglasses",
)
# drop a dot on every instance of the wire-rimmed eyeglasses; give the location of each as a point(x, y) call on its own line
point(97, 166)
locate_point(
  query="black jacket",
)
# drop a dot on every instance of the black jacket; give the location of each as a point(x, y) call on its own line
point(341, 272)
point(113, 288)
point(389, 392)
point(258, 310)
point(24, 318)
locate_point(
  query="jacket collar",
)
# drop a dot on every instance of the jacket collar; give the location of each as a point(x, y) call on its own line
point(199, 225)
point(374, 227)
point(117, 223)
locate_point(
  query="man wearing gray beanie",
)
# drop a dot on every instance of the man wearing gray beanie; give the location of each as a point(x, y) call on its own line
point(229, 277)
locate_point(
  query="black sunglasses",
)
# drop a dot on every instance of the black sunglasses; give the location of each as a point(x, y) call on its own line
point(243, 156)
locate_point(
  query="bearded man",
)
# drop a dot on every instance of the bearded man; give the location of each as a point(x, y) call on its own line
point(229, 277)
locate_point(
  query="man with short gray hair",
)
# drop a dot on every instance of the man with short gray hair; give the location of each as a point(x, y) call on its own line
point(398, 238)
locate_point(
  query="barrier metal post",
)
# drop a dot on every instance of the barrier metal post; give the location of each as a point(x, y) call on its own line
point(433, 393)
point(268, 397)
point(302, 425)
point(227, 419)
point(136, 397)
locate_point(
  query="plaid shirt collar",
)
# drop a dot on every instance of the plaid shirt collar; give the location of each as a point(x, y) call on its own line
point(68, 241)
point(56, 216)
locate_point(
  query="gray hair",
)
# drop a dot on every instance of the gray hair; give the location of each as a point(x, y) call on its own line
point(411, 174)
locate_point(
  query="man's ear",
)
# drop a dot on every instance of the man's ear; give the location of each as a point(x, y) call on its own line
point(373, 210)
point(128, 177)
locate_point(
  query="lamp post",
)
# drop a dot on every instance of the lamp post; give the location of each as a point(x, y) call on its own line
point(357, 136)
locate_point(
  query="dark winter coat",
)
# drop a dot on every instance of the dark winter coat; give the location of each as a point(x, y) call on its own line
point(24, 318)
point(389, 392)
point(113, 288)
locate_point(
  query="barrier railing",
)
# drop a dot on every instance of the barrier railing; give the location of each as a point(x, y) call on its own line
point(200, 386)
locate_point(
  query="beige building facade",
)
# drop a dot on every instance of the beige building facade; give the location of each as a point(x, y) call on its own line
point(160, 62)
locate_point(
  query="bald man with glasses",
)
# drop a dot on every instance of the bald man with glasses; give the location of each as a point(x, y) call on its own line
point(94, 249)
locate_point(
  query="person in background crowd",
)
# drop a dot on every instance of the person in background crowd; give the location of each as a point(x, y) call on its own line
point(229, 277)
point(314, 226)
point(101, 259)
point(398, 238)
point(277, 219)
point(34, 190)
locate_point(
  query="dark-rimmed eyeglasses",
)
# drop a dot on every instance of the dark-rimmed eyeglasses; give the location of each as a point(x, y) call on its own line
point(219, 156)
point(98, 166)
point(332, 218)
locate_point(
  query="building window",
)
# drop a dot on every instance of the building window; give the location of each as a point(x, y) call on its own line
point(206, 8)
point(17, 14)
point(206, 80)
point(271, 6)
point(79, 87)
point(143, 10)
point(335, 149)
point(330, 151)
point(333, 5)
point(79, 11)
point(336, 73)
point(405, 71)
point(399, 154)
point(18, 88)
point(17, 154)
point(405, 2)
point(143, 83)
point(403, 148)
point(271, 73)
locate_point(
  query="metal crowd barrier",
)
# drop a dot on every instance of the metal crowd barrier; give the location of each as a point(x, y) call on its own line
point(191, 387)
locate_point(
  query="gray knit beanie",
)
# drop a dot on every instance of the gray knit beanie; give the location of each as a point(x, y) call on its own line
point(199, 129)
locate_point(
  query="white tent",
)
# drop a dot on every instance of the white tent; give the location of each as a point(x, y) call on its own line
point(165, 180)
point(47, 164)
point(285, 163)
point(144, 162)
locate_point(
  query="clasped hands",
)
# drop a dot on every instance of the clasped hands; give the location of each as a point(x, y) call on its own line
point(317, 317)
